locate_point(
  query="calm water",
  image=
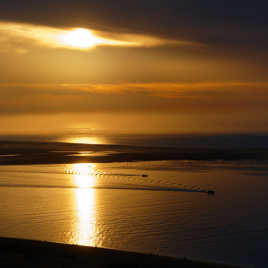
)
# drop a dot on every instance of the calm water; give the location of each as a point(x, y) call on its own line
point(114, 206)
point(258, 140)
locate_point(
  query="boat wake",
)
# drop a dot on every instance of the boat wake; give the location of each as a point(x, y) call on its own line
point(108, 187)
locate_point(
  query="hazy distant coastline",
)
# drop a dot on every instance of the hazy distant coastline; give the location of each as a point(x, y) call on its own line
point(20, 153)
point(191, 140)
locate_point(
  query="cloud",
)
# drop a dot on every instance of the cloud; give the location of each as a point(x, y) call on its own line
point(228, 25)
point(153, 88)
point(183, 98)
point(220, 46)
point(19, 37)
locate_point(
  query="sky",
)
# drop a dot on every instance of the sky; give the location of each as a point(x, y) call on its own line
point(133, 66)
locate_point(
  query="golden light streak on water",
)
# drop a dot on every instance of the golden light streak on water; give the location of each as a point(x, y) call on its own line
point(85, 205)
point(85, 140)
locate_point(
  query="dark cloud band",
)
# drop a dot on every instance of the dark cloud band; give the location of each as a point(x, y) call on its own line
point(233, 23)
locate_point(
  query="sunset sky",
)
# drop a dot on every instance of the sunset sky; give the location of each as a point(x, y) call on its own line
point(173, 66)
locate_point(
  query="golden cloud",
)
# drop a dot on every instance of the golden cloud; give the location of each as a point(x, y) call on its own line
point(163, 89)
point(18, 34)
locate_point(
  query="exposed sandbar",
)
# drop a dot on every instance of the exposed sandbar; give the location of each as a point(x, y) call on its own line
point(29, 153)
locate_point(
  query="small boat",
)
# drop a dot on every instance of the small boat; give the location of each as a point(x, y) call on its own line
point(211, 192)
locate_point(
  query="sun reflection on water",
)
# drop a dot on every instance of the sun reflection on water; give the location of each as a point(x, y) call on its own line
point(84, 178)
point(85, 140)
point(84, 175)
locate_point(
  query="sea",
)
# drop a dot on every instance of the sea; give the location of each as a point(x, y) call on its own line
point(159, 207)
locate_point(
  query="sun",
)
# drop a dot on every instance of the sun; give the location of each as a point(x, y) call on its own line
point(80, 38)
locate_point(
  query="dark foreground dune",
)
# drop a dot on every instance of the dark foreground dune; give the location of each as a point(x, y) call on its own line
point(28, 253)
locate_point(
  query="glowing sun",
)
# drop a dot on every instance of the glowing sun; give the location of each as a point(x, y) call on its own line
point(80, 38)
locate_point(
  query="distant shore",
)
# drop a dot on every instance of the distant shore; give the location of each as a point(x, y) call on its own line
point(29, 253)
point(30, 153)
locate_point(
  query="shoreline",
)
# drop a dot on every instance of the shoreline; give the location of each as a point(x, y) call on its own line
point(16, 252)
